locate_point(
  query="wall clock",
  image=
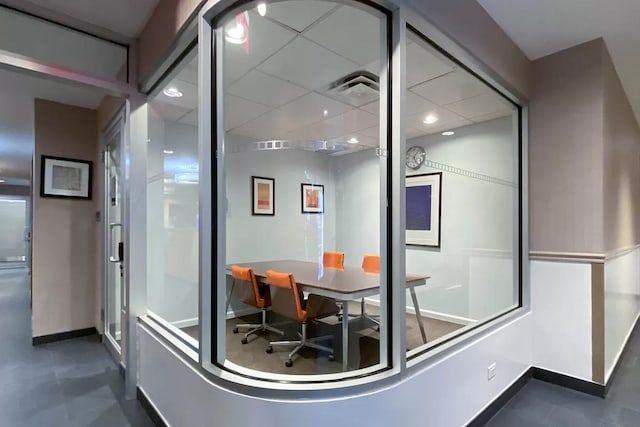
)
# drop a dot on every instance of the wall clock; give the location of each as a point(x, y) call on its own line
point(415, 157)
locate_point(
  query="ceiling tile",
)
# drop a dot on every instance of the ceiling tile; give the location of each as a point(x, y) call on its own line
point(439, 127)
point(451, 87)
point(422, 65)
point(189, 98)
point(261, 88)
point(169, 112)
point(372, 132)
point(310, 108)
point(272, 125)
point(338, 126)
point(353, 33)
point(265, 38)
point(307, 64)
point(190, 118)
point(479, 106)
point(362, 140)
point(492, 116)
point(298, 14)
point(239, 111)
point(445, 118)
point(415, 104)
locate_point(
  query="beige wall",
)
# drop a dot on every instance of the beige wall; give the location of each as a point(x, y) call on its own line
point(161, 29)
point(64, 238)
point(472, 27)
point(621, 164)
point(566, 151)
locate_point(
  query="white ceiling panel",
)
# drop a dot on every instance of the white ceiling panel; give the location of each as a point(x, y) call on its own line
point(190, 119)
point(189, 98)
point(307, 64)
point(338, 126)
point(261, 88)
point(372, 132)
point(272, 125)
point(451, 87)
point(189, 73)
point(493, 116)
point(311, 107)
point(265, 38)
point(351, 32)
point(480, 105)
point(415, 105)
point(363, 140)
point(169, 112)
point(445, 118)
point(239, 111)
point(298, 14)
point(422, 65)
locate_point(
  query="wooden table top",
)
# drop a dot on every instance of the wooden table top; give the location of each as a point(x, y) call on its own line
point(350, 280)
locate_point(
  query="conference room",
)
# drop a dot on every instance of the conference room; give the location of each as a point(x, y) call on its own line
point(304, 191)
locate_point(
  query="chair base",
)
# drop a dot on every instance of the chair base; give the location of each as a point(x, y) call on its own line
point(303, 342)
point(256, 327)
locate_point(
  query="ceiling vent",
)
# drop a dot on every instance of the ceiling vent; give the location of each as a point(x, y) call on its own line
point(325, 147)
point(356, 89)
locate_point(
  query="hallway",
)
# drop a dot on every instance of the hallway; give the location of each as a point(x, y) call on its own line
point(541, 404)
point(68, 383)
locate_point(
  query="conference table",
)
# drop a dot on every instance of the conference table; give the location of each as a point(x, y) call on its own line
point(342, 285)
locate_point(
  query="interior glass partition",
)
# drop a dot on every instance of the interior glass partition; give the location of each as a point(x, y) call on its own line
point(14, 238)
point(305, 93)
point(172, 201)
point(462, 198)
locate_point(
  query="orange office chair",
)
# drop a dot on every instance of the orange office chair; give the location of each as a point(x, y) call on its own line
point(370, 264)
point(288, 301)
point(332, 259)
point(255, 296)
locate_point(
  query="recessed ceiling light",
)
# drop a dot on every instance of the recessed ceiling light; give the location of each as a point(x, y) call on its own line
point(325, 112)
point(172, 92)
point(1, 180)
point(353, 140)
point(448, 133)
point(235, 33)
point(167, 151)
point(262, 9)
point(430, 119)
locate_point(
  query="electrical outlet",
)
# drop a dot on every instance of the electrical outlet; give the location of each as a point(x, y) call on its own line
point(491, 371)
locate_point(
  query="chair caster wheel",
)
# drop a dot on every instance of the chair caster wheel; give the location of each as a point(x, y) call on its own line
point(244, 340)
point(269, 350)
point(331, 358)
point(378, 329)
point(288, 363)
point(235, 330)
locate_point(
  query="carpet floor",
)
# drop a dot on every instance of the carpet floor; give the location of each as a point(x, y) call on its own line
point(364, 344)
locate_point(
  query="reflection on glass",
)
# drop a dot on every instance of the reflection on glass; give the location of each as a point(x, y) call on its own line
point(114, 266)
point(172, 198)
point(461, 199)
point(302, 207)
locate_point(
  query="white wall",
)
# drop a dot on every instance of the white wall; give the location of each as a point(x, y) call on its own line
point(13, 219)
point(561, 310)
point(419, 399)
point(621, 304)
point(472, 273)
point(289, 234)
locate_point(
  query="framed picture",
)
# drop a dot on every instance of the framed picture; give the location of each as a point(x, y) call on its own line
point(263, 196)
point(312, 196)
point(424, 194)
point(68, 178)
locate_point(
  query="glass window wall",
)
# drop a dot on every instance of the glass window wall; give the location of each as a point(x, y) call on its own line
point(172, 200)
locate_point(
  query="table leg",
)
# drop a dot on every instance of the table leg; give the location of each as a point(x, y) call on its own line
point(416, 307)
point(345, 335)
point(233, 285)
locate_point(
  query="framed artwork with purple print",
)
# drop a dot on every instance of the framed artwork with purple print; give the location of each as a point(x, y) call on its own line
point(423, 209)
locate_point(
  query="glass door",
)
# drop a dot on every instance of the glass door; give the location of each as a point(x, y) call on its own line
point(114, 307)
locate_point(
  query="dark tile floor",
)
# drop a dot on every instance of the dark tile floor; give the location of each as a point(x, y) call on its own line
point(540, 404)
point(68, 383)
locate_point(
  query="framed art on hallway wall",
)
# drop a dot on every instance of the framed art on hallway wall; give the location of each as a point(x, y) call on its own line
point(263, 196)
point(312, 196)
point(65, 178)
point(424, 196)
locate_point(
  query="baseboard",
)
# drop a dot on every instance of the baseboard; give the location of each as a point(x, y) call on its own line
point(60, 336)
point(186, 323)
point(231, 314)
point(499, 402)
point(566, 381)
point(150, 409)
point(431, 314)
point(621, 353)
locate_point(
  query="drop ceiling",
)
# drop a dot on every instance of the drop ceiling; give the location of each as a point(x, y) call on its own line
point(277, 89)
point(543, 27)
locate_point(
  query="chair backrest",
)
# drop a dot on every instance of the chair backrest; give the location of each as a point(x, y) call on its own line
point(371, 263)
point(286, 300)
point(252, 295)
point(332, 259)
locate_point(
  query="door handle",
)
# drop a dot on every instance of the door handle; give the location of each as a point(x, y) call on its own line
point(112, 257)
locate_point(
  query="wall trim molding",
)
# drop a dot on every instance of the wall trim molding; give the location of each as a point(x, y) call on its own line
point(150, 408)
point(567, 256)
point(567, 381)
point(500, 402)
point(616, 253)
point(60, 336)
